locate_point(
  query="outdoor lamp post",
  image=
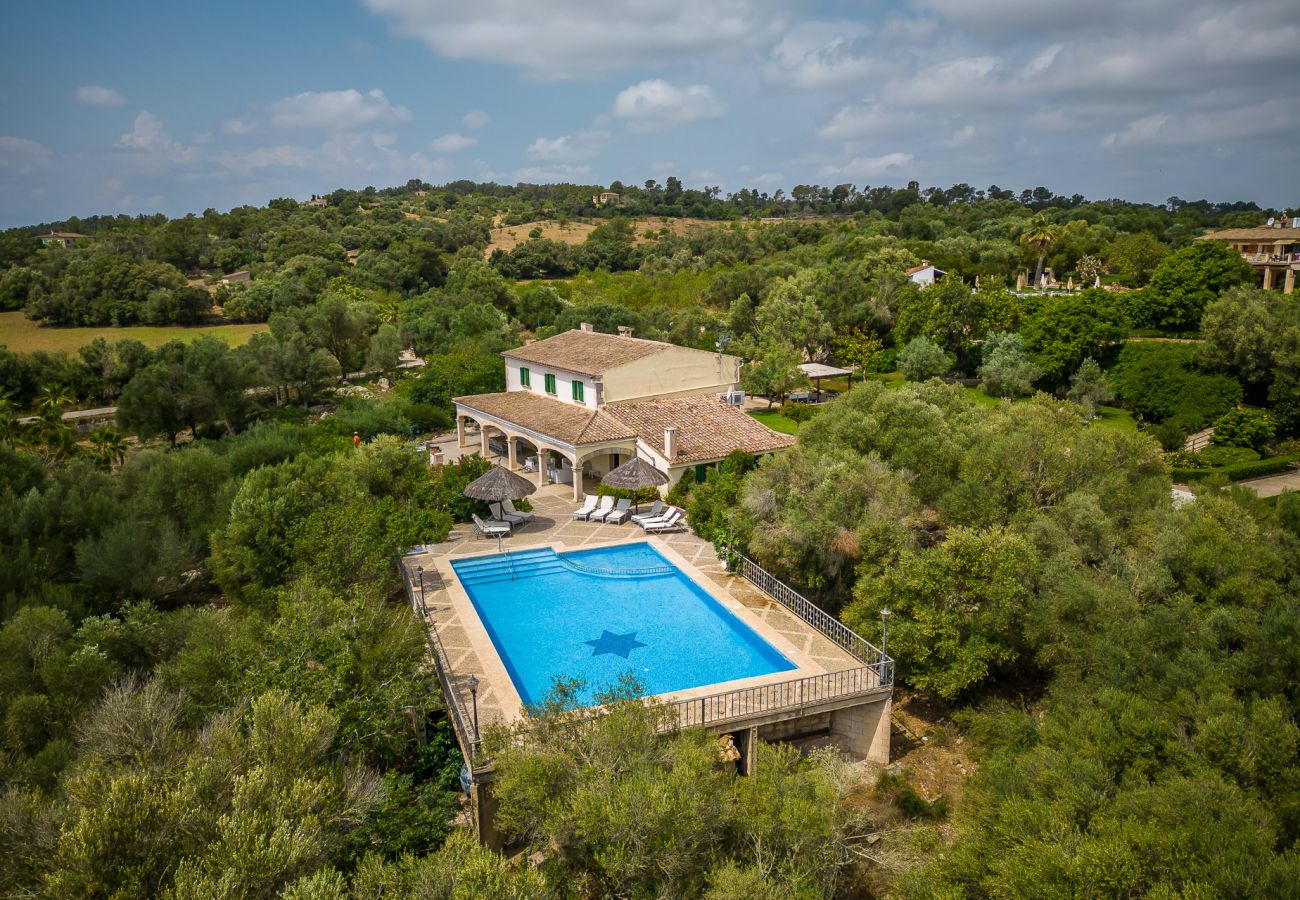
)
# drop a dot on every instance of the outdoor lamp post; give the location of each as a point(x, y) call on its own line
point(473, 693)
point(884, 642)
point(419, 574)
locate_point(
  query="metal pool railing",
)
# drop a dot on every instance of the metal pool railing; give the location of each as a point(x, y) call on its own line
point(811, 613)
point(463, 724)
point(785, 696)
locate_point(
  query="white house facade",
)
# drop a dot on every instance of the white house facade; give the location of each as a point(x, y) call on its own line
point(582, 402)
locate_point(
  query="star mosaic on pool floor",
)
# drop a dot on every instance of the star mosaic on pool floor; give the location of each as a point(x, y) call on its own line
point(618, 644)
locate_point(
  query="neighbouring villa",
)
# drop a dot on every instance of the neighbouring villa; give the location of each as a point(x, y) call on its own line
point(1273, 250)
point(584, 401)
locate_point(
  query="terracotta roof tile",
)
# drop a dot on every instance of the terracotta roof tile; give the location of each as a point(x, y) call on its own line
point(566, 422)
point(707, 428)
point(587, 352)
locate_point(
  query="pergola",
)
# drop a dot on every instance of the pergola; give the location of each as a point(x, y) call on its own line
point(818, 371)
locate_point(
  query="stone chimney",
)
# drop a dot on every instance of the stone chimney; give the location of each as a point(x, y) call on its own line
point(584, 326)
point(670, 444)
point(624, 331)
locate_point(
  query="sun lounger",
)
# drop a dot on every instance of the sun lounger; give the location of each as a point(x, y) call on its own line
point(663, 514)
point(492, 527)
point(502, 514)
point(618, 515)
point(671, 523)
point(653, 512)
point(606, 504)
point(587, 508)
point(513, 515)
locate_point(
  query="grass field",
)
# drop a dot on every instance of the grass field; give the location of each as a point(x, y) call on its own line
point(775, 420)
point(21, 335)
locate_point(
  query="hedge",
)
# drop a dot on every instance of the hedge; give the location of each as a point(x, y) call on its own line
point(1238, 472)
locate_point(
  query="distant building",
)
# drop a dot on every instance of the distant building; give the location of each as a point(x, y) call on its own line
point(315, 202)
point(240, 277)
point(925, 274)
point(62, 238)
point(352, 257)
point(605, 198)
point(421, 193)
point(1273, 250)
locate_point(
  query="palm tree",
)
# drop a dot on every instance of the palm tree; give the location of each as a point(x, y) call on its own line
point(1040, 235)
point(110, 447)
point(54, 396)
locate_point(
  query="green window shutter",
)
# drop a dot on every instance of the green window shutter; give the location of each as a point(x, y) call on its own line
point(577, 391)
point(524, 378)
point(549, 382)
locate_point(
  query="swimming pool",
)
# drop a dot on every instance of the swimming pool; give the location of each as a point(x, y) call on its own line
point(598, 614)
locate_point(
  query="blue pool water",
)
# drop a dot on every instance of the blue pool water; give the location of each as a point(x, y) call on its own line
point(569, 615)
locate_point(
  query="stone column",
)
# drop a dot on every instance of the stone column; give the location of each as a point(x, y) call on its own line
point(1289, 285)
point(747, 744)
point(1268, 278)
point(510, 453)
point(543, 457)
point(483, 438)
point(460, 430)
point(578, 492)
point(865, 729)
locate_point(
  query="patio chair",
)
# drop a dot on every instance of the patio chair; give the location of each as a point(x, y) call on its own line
point(512, 514)
point(492, 528)
point(653, 512)
point(671, 523)
point(588, 507)
point(618, 515)
point(606, 504)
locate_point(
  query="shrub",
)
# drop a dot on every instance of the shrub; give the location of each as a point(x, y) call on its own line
point(1251, 428)
point(1240, 471)
point(1172, 435)
point(1158, 382)
point(923, 359)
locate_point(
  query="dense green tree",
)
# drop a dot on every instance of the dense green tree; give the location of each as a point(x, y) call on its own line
point(1067, 329)
point(1007, 370)
point(1136, 255)
point(923, 359)
point(1188, 281)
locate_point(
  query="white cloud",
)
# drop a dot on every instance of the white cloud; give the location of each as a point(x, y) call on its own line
point(1139, 131)
point(568, 38)
point(337, 110)
point(568, 147)
point(858, 120)
point(769, 178)
point(475, 119)
point(816, 55)
point(21, 156)
point(552, 173)
point(654, 103)
point(452, 143)
point(98, 95)
point(962, 136)
point(237, 126)
point(147, 133)
point(870, 166)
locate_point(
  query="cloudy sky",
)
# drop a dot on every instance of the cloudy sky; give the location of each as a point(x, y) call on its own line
point(175, 107)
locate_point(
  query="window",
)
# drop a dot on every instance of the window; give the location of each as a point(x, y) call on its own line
point(524, 378)
point(577, 392)
point(548, 381)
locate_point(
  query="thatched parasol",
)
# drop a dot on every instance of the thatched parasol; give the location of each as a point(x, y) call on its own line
point(499, 484)
point(634, 475)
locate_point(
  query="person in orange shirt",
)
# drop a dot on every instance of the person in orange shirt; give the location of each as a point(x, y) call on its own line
point(356, 439)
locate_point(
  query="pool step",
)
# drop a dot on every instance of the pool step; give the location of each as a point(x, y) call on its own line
point(509, 566)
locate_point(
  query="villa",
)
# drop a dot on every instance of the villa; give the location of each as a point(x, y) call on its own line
point(1273, 250)
point(63, 239)
point(585, 402)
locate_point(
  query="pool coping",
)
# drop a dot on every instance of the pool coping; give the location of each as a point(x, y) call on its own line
point(494, 669)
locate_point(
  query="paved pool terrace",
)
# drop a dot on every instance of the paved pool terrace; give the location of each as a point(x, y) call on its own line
point(469, 649)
